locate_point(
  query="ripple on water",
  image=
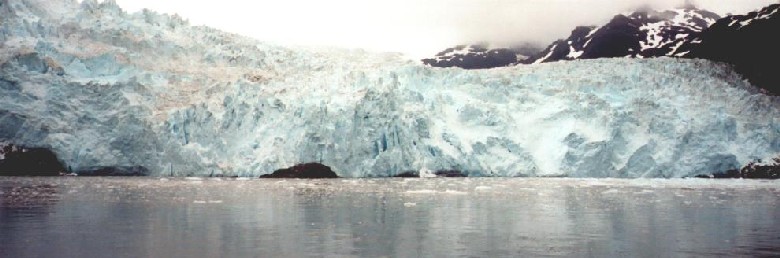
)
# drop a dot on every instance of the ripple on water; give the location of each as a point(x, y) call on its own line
point(387, 217)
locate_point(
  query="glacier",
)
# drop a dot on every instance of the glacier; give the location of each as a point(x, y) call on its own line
point(102, 87)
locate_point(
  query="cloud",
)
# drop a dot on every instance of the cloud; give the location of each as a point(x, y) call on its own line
point(418, 28)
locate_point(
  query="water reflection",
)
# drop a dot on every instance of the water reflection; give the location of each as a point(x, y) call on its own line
point(375, 218)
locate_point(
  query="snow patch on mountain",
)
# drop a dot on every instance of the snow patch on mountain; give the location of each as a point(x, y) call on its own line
point(745, 20)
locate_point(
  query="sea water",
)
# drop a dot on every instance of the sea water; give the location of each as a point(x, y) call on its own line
point(427, 217)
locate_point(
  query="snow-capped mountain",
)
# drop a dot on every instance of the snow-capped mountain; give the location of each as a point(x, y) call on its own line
point(473, 57)
point(100, 87)
point(644, 33)
point(749, 42)
point(482, 57)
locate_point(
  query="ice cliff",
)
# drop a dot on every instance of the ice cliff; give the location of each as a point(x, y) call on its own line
point(101, 87)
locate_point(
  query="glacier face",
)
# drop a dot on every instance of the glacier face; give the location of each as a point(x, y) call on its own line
point(105, 88)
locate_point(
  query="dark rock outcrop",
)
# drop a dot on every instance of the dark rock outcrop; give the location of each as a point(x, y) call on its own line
point(114, 171)
point(449, 173)
point(24, 161)
point(308, 170)
point(759, 170)
point(408, 174)
point(749, 42)
point(753, 170)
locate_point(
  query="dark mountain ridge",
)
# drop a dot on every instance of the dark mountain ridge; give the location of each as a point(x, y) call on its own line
point(748, 42)
point(641, 34)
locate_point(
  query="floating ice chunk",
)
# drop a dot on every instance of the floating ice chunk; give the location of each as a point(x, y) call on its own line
point(610, 191)
point(482, 188)
point(455, 192)
point(427, 173)
point(421, 191)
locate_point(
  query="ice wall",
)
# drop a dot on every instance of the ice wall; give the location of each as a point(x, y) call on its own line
point(102, 87)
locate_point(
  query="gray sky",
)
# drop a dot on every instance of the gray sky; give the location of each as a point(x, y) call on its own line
point(418, 28)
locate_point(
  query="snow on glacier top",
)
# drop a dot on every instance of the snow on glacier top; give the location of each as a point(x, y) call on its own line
point(102, 88)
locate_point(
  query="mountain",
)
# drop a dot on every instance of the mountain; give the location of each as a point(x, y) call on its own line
point(526, 50)
point(105, 90)
point(749, 42)
point(481, 57)
point(641, 34)
point(644, 33)
point(473, 57)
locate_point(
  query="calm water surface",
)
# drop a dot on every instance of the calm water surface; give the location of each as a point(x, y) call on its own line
point(194, 217)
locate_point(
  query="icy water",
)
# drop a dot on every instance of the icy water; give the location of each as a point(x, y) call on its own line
point(202, 217)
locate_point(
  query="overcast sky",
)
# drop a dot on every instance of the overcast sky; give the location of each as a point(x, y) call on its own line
point(415, 27)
